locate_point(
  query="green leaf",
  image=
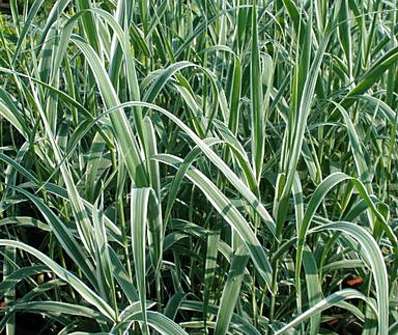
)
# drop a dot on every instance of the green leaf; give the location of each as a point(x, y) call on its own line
point(88, 294)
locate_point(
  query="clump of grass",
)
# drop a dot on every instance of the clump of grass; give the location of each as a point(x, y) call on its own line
point(199, 167)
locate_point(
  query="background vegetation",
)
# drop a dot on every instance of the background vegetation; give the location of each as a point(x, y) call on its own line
point(200, 167)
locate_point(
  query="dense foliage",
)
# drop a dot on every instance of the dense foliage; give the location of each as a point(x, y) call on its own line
point(199, 167)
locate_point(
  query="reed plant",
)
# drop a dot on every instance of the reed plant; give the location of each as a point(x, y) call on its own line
point(199, 167)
